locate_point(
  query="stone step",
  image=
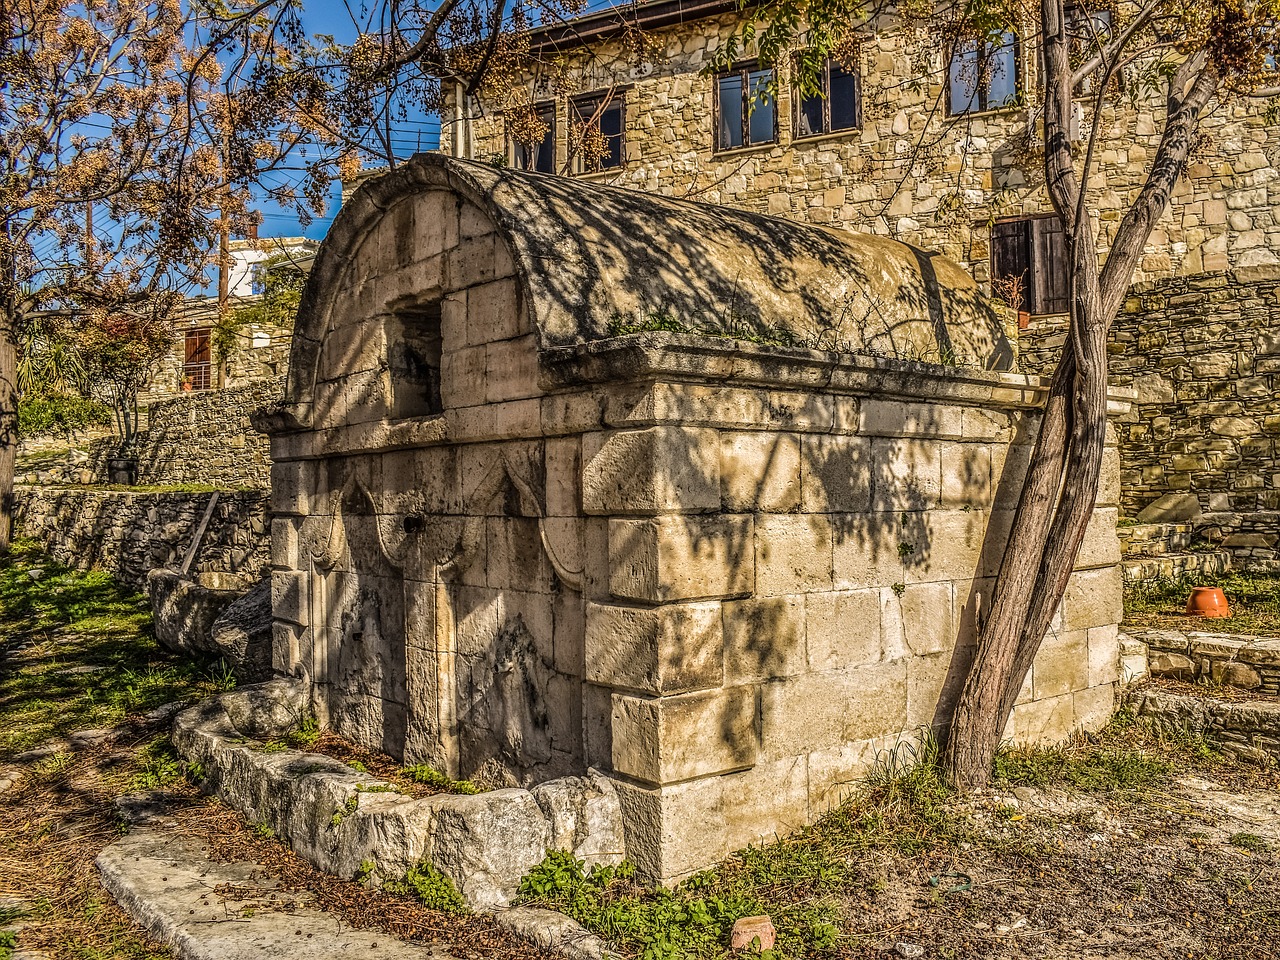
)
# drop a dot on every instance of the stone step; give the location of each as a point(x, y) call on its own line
point(164, 881)
point(1244, 729)
point(1236, 660)
point(1155, 539)
point(1139, 532)
point(1175, 566)
point(207, 910)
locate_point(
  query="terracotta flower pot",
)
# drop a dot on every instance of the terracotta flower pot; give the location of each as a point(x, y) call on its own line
point(1207, 602)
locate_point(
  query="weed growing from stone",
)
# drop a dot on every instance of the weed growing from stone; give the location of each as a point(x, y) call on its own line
point(431, 777)
point(433, 888)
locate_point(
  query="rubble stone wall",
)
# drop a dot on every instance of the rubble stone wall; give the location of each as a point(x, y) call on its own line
point(1203, 353)
point(206, 437)
point(129, 534)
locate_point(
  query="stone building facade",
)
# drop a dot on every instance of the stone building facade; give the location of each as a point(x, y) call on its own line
point(906, 166)
point(901, 161)
point(561, 483)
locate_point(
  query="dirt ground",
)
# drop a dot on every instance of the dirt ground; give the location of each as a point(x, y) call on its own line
point(1188, 873)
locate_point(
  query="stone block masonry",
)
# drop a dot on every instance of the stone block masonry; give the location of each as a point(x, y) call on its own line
point(129, 534)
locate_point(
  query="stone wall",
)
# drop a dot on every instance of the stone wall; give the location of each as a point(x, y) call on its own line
point(202, 437)
point(1203, 353)
point(129, 534)
point(977, 168)
point(1246, 730)
point(206, 437)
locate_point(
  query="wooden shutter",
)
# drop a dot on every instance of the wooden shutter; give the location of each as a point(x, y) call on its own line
point(1049, 266)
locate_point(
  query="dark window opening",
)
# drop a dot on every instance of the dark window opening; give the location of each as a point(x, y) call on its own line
point(413, 355)
point(745, 114)
point(539, 157)
point(836, 106)
point(599, 133)
point(197, 358)
point(1090, 31)
point(1029, 257)
point(983, 75)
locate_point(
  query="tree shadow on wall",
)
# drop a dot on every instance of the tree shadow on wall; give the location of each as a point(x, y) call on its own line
point(597, 256)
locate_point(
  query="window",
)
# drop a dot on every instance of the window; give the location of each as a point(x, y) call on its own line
point(197, 365)
point(599, 126)
point(257, 279)
point(1089, 30)
point(837, 105)
point(983, 75)
point(532, 135)
point(745, 115)
point(1034, 252)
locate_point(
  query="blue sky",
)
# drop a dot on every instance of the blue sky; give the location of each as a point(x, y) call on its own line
point(410, 134)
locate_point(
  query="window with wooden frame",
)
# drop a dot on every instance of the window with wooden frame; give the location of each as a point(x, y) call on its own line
point(197, 358)
point(745, 109)
point(983, 75)
point(1030, 256)
point(599, 132)
point(531, 136)
point(836, 106)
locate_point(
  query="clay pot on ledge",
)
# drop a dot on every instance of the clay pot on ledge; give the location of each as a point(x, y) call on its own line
point(1207, 602)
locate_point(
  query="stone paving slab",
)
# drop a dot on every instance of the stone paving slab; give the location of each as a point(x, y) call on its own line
point(164, 881)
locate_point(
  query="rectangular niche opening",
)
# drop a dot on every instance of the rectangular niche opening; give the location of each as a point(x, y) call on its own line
point(413, 356)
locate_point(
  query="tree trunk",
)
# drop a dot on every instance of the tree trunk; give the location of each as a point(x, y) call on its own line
point(1061, 486)
point(8, 387)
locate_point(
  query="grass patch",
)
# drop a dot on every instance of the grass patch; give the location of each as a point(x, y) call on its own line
point(1249, 841)
point(1254, 599)
point(1128, 756)
point(904, 809)
point(80, 653)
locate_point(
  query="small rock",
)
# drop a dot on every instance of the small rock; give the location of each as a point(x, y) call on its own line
point(748, 930)
point(83, 739)
point(166, 711)
point(904, 949)
point(36, 573)
point(1173, 665)
point(139, 808)
point(1025, 794)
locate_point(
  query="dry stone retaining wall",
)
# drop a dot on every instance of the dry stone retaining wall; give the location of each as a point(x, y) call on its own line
point(206, 437)
point(1248, 730)
point(1203, 354)
point(129, 534)
point(200, 437)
